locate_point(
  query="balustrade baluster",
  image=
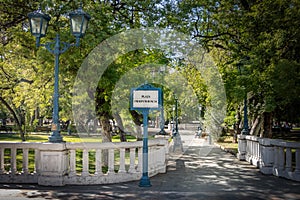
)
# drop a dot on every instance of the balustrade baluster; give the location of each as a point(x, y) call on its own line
point(155, 158)
point(122, 161)
point(25, 161)
point(111, 161)
point(254, 152)
point(276, 157)
point(297, 170)
point(252, 149)
point(276, 161)
point(37, 161)
point(249, 152)
point(13, 160)
point(257, 150)
point(151, 159)
point(288, 160)
point(281, 158)
point(132, 161)
point(85, 162)
point(140, 159)
point(160, 161)
point(2, 160)
point(98, 170)
point(72, 162)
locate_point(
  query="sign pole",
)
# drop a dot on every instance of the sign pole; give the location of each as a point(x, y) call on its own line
point(145, 181)
point(143, 99)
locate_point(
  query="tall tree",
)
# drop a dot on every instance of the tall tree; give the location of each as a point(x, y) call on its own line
point(261, 35)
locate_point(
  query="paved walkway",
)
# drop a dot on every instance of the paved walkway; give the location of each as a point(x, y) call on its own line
point(202, 171)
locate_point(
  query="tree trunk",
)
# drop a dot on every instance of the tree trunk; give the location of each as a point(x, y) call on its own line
point(237, 129)
point(106, 136)
point(240, 121)
point(138, 120)
point(268, 118)
point(18, 120)
point(120, 127)
point(261, 133)
point(257, 126)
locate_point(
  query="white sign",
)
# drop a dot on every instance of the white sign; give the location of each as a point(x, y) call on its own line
point(145, 99)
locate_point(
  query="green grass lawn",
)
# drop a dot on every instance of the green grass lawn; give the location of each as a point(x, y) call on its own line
point(228, 144)
point(79, 153)
point(66, 138)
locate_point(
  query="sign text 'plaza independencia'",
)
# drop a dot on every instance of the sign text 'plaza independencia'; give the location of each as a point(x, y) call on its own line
point(145, 99)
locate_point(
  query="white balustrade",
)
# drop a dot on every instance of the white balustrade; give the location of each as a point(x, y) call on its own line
point(55, 163)
point(272, 156)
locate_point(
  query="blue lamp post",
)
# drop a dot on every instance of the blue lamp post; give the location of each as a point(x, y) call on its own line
point(175, 109)
point(162, 118)
point(175, 134)
point(38, 25)
point(245, 130)
point(200, 114)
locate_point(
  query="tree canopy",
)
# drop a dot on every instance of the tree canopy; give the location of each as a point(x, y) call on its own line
point(260, 37)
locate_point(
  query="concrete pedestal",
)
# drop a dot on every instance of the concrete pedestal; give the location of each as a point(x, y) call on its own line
point(54, 164)
point(242, 147)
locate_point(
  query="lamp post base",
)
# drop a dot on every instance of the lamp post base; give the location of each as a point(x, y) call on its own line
point(145, 181)
point(55, 138)
point(245, 132)
point(162, 132)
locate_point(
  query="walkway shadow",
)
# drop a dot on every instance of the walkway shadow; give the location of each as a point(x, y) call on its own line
point(192, 175)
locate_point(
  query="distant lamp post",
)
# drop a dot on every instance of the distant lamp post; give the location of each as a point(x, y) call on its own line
point(175, 110)
point(173, 120)
point(38, 25)
point(200, 113)
point(162, 118)
point(245, 130)
point(175, 134)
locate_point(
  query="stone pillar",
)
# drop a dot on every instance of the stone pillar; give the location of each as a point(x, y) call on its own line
point(53, 165)
point(266, 156)
point(242, 144)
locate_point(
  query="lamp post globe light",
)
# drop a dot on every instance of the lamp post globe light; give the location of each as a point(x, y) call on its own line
point(245, 130)
point(38, 26)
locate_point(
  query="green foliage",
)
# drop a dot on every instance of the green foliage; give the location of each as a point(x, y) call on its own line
point(260, 36)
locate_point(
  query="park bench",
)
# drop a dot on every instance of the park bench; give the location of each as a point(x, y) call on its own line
point(42, 129)
point(5, 128)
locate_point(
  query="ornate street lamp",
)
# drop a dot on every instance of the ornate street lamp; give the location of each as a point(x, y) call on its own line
point(245, 130)
point(38, 25)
